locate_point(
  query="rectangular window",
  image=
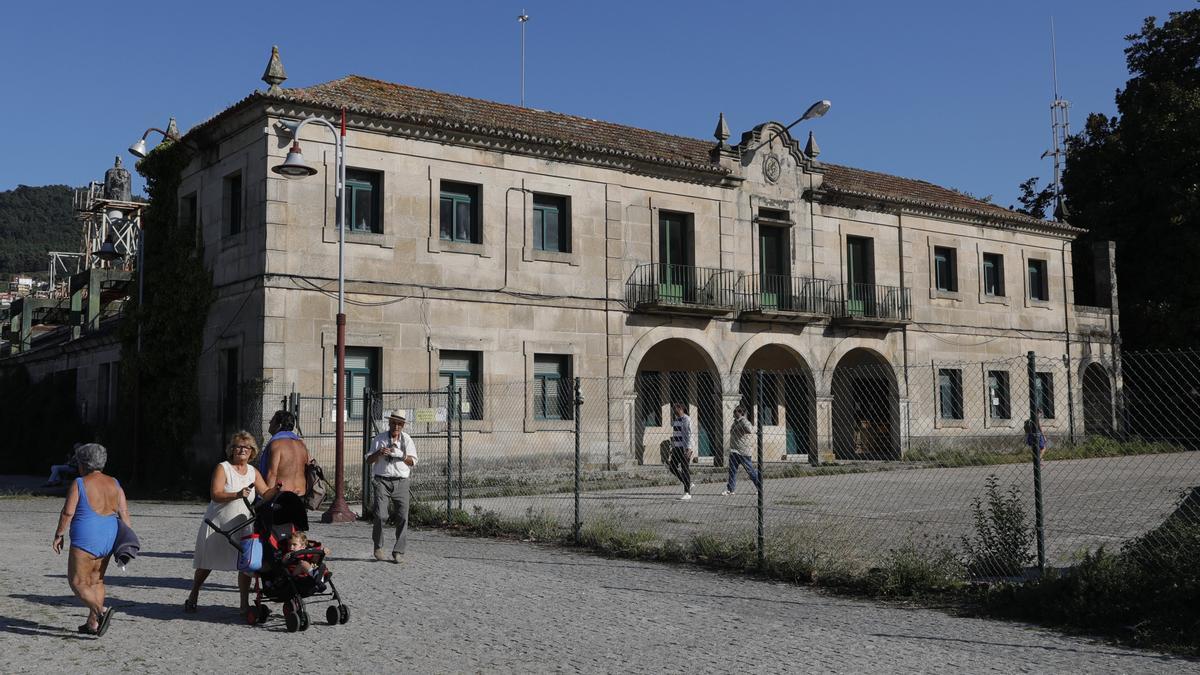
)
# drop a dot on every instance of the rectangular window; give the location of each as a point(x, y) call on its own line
point(774, 216)
point(362, 371)
point(460, 213)
point(998, 396)
point(232, 202)
point(364, 200)
point(1044, 394)
point(950, 394)
point(229, 380)
point(551, 223)
point(1039, 286)
point(188, 212)
point(552, 389)
point(462, 369)
point(945, 268)
point(649, 384)
point(993, 275)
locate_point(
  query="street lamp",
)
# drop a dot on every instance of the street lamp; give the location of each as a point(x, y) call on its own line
point(815, 110)
point(139, 150)
point(294, 167)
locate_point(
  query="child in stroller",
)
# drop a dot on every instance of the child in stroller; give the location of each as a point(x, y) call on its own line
point(290, 568)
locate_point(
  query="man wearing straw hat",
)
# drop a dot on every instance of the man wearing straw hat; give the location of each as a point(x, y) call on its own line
point(392, 456)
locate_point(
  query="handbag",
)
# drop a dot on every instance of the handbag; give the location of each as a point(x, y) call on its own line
point(250, 554)
point(315, 485)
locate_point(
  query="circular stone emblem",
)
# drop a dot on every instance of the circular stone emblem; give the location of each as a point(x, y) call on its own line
point(771, 168)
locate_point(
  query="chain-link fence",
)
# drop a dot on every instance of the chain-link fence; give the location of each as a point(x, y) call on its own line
point(999, 467)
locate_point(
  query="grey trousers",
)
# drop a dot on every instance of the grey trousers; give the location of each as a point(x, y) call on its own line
point(388, 492)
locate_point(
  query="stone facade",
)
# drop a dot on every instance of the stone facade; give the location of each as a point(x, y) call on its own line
point(413, 295)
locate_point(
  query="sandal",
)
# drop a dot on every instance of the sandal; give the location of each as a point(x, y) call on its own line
point(87, 630)
point(189, 606)
point(104, 619)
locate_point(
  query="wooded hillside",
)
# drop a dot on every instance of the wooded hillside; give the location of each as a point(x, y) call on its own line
point(33, 222)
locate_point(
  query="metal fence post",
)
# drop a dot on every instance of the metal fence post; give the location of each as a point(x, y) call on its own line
point(449, 447)
point(758, 423)
point(578, 411)
point(458, 399)
point(368, 436)
point(1034, 436)
point(1070, 398)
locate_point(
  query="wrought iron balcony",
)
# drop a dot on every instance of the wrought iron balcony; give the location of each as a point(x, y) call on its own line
point(783, 298)
point(659, 287)
point(872, 305)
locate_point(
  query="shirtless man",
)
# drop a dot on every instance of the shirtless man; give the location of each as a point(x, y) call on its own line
point(287, 454)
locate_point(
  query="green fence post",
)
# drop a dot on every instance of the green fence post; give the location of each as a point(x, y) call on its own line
point(1033, 433)
point(578, 410)
point(758, 423)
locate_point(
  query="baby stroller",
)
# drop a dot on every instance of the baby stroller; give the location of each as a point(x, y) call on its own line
point(263, 552)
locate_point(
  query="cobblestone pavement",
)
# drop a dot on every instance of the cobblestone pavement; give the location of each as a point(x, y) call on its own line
point(464, 604)
point(1088, 502)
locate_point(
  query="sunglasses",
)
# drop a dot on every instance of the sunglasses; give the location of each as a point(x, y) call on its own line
point(247, 448)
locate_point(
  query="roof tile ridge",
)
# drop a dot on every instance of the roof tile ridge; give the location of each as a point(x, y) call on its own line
point(511, 106)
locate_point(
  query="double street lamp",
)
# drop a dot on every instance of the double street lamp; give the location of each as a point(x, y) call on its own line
point(294, 167)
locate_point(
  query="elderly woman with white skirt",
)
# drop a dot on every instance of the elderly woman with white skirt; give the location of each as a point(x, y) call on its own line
point(231, 481)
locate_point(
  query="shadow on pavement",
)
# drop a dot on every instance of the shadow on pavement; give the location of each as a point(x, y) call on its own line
point(1165, 658)
point(145, 610)
point(33, 628)
point(119, 580)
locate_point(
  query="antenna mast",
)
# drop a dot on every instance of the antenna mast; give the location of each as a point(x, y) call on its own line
point(1060, 129)
point(523, 18)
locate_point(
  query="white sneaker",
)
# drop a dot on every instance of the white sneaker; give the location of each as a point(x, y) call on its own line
point(686, 496)
point(727, 493)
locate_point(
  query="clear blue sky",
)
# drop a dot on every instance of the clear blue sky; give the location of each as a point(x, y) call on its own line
point(952, 92)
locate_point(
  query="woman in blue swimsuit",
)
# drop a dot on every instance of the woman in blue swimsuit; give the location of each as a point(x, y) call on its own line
point(94, 502)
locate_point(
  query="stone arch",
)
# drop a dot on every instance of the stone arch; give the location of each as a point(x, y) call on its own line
point(776, 382)
point(675, 369)
point(657, 336)
point(866, 407)
point(1098, 399)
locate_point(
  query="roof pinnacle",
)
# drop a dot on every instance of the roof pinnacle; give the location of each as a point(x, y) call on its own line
point(722, 131)
point(811, 148)
point(274, 75)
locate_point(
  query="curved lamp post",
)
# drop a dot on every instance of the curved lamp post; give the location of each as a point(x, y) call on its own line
point(815, 110)
point(294, 167)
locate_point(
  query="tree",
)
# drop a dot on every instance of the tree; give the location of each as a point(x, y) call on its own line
point(1034, 202)
point(1135, 179)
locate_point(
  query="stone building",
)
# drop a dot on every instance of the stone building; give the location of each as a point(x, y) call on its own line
point(502, 244)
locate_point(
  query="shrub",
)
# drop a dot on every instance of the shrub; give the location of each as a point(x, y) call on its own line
point(1002, 537)
point(916, 569)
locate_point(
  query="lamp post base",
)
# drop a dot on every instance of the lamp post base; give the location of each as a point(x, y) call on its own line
point(339, 512)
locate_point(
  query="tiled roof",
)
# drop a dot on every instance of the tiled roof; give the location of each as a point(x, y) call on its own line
point(425, 107)
point(397, 101)
point(874, 185)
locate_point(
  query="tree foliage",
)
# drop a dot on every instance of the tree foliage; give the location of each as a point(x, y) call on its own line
point(33, 222)
point(1135, 179)
point(162, 378)
point(1034, 202)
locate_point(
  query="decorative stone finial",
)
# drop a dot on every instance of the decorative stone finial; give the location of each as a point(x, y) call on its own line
point(274, 75)
point(722, 131)
point(811, 148)
point(172, 132)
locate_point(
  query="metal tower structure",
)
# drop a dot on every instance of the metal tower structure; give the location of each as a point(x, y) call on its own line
point(1060, 130)
point(111, 221)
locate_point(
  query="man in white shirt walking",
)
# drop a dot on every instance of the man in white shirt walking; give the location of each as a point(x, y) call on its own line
point(392, 456)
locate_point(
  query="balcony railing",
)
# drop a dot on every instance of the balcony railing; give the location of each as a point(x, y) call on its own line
point(872, 304)
point(782, 295)
point(659, 286)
